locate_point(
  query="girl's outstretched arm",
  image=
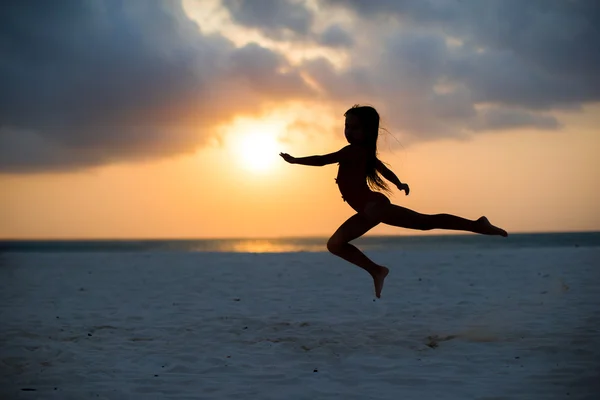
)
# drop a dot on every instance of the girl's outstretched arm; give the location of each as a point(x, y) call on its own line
point(317, 161)
point(391, 176)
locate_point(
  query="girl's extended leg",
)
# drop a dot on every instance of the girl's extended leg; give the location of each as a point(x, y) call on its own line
point(392, 214)
point(354, 227)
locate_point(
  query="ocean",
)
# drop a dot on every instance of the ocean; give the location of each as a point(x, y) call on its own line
point(308, 244)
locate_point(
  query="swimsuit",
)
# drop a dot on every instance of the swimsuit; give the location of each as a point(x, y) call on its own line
point(360, 197)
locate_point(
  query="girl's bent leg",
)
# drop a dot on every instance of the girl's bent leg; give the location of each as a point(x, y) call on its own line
point(339, 245)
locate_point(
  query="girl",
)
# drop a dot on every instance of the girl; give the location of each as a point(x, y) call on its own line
point(358, 175)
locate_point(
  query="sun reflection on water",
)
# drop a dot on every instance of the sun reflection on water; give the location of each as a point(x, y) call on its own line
point(260, 246)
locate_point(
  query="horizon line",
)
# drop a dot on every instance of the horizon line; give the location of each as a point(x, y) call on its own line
point(156, 238)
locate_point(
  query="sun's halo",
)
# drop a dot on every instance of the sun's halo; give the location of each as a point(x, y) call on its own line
point(255, 143)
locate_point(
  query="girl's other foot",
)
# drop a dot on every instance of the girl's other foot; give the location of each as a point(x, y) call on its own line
point(378, 278)
point(486, 228)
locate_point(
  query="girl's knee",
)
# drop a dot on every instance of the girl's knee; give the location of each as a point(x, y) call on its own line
point(334, 245)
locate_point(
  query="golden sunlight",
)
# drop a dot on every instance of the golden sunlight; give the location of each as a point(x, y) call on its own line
point(258, 151)
point(255, 143)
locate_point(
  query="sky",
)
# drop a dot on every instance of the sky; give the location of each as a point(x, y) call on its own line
point(164, 119)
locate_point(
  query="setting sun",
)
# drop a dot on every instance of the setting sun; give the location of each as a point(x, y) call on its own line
point(258, 151)
point(255, 143)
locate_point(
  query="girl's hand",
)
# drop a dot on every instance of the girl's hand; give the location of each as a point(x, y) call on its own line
point(404, 186)
point(287, 158)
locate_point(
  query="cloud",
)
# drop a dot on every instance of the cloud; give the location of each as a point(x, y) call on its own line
point(286, 21)
point(417, 85)
point(451, 67)
point(503, 119)
point(278, 19)
point(85, 83)
point(538, 53)
point(335, 36)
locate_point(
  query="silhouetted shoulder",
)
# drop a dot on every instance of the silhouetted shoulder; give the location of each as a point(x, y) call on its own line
point(352, 152)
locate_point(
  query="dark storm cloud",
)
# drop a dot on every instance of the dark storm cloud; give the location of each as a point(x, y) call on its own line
point(518, 58)
point(84, 83)
point(278, 19)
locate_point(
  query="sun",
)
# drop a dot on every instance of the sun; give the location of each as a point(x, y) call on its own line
point(255, 143)
point(258, 151)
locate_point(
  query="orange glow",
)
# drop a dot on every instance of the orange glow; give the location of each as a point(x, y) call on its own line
point(523, 181)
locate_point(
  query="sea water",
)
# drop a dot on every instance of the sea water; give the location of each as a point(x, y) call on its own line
point(309, 244)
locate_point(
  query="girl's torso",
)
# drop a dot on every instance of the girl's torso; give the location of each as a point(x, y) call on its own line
point(352, 182)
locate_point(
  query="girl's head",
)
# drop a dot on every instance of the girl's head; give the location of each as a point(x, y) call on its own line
point(362, 128)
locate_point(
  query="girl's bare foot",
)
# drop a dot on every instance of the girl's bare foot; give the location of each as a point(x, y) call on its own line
point(378, 278)
point(485, 227)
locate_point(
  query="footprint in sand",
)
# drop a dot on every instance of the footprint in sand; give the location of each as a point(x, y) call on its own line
point(434, 340)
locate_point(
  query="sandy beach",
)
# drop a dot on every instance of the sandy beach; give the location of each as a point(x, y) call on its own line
point(451, 324)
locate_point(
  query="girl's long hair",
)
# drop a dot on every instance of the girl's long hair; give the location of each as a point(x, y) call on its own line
point(369, 119)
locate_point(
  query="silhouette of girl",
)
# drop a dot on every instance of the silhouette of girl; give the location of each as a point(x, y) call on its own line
point(358, 175)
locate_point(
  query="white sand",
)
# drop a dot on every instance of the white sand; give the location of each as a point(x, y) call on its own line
point(301, 326)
